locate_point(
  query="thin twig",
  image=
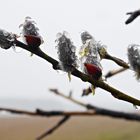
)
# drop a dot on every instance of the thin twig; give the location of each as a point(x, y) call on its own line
point(133, 16)
point(116, 93)
point(100, 111)
point(92, 111)
point(114, 72)
point(117, 61)
point(86, 91)
point(56, 92)
point(43, 113)
point(50, 131)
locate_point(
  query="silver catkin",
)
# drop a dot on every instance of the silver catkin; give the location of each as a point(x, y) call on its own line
point(133, 53)
point(29, 28)
point(66, 52)
point(6, 39)
point(90, 51)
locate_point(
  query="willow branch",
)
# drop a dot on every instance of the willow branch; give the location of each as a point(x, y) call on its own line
point(92, 111)
point(86, 91)
point(39, 53)
point(114, 72)
point(45, 113)
point(50, 131)
point(117, 61)
point(133, 16)
point(99, 111)
point(116, 93)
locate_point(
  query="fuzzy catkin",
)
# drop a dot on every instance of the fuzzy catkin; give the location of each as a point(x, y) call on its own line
point(29, 28)
point(89, 51)
point(6, 39)
point(66, 52)
point(133, 53)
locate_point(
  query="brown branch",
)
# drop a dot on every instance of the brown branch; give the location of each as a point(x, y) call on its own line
point(133, 16)
point(117, 61)
point(92, 110)
point(39, 53)
point(42, 113)
point(86, 91)
point(100, 111)
point(116, 93)
point(50, 131)
point(56, 92)
point(114, 72)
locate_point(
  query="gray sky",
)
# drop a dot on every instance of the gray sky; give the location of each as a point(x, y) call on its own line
point(29, 78)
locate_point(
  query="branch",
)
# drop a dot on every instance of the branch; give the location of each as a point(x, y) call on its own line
point(109, 74)
point(116, 93)
point(92, 111)
point(39, 53)
point(117, 60)
point(133, 16)
point(42, 113)
point(114, 72)
point(86, 91)
point(50, 131)
point(100, 111)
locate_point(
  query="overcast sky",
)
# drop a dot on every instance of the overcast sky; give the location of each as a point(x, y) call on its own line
point(29, 78)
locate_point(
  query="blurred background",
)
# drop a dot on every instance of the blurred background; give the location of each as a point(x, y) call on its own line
point(25, 80)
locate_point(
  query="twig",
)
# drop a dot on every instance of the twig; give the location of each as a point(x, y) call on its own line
point(117, 60)
point(86, 91)
point(109, 74)
point(116, 93)
point(100, 111)
point(56, 92)
point(92, 111)
point(133, 16)
point(43, 113)
point(50, 131)
point(64, 113)
point(114, 72)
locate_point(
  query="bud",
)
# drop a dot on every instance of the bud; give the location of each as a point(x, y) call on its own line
point(133, 53)
point(90, 57)
point(89, 51)
point(30, 33)
point(90, 45)
point(85, 36)
point(66, 52)
point(6, 39)
point(93, 70)
point(101, 49)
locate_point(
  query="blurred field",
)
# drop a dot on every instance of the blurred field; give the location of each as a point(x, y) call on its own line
point(78, 128)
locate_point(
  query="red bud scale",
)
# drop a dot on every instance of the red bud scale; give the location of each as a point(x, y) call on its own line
point(93, 70)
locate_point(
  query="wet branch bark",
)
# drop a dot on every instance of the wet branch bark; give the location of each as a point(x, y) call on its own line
point(114, 92)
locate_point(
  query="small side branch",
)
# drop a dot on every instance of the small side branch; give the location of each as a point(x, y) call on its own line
point(114, 72)
point(133, 16)
point(43, 113)
point(91, 111)
point(100, 111)
point(117, 61)
point(50, 131)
